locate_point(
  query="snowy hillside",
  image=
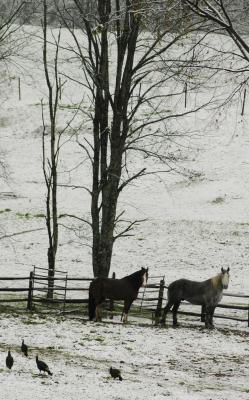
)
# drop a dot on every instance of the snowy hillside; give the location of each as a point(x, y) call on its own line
point(194, 226)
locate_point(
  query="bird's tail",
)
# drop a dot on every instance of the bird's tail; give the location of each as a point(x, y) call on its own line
point(91, 304)
point(120, 378)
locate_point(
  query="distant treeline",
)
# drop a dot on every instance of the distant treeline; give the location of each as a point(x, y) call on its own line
point(157, 14)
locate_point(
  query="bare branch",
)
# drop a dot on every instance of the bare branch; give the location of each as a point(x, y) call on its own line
point(132, 178)
point(129, 228)
point(75, 217)
point(7, 236)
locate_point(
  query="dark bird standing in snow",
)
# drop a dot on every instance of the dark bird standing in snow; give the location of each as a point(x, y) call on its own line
point(9, 360)
point(42, 366)
point(115, 373)
point(24, 348)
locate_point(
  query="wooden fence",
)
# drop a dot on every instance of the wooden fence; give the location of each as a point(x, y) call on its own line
point(149, 303)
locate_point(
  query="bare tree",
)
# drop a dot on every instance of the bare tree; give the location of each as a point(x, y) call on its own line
point(129, 98)
point(8, 45)
point(9, 25)
point(50, 163)
point(217, 12)
point(224, 18)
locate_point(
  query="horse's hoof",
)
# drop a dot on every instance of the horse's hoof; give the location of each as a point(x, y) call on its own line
point(209, 327)
point(176, 325)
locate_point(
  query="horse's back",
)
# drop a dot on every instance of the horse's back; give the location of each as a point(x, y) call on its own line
point(185, 289)
point(115, 289)
point(176, 289)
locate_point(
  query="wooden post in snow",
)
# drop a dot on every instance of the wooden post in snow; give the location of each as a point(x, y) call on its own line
point(111, 306)
point(185, 94)
point(19, 89)
point(30, 292)
point(158, 312)
point(60, 88)
point(243, 102)
point(65, 295)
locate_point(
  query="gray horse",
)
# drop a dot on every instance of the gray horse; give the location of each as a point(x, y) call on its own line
point(206, 294)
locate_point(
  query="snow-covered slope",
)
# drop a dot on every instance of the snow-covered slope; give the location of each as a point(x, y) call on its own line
point(194, 226)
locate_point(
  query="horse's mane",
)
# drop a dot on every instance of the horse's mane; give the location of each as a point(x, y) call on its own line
point(215, 281)
point(134, 275)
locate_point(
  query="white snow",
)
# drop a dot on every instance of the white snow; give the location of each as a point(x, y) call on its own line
point(193, 228)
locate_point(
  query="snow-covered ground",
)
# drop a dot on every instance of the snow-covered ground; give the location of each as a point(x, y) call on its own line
point(194, 226)
point(182, 363)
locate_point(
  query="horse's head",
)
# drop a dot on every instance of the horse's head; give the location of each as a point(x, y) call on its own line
point(145, 275)
point(225, 277)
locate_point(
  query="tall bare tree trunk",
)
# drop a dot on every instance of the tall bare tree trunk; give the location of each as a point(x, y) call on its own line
point(118, 99)
point(107, 167)
point(50, 173)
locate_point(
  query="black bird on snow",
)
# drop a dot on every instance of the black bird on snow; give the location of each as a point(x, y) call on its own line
point(115, 373)
point(24, 348)
point(9, 360)
point(42, 366)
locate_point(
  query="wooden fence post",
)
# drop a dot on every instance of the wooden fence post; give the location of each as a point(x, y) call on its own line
point(65, 295)
point(159, 302)
point(111, 306)
point(243, 102)
point(60, 88)
point(248, 317)
point(185, 94)
point(30, 292)
point(203, 314)
point(19, 89)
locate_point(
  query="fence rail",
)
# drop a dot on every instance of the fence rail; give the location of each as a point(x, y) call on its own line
point(150, 301)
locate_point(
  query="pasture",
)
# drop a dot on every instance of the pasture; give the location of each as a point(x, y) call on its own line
point(194, 225)
point(189, 362)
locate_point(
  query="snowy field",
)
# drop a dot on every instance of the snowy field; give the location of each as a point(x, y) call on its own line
point(156, 363)
point(194, 226)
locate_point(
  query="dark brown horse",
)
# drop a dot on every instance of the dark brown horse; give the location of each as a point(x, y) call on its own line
point(115, 289)
point(207, 294)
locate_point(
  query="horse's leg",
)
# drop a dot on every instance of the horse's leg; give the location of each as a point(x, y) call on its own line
point(209, 317)
point(165, 312)
point(98, 309)
point(203, 313)
point(98, 313)
point(175, 309)
point(127, 306)
point(92, 301)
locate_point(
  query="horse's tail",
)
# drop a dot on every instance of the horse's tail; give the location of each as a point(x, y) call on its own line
point(91, 303)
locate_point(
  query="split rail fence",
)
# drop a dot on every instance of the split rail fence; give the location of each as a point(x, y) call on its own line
point(72, 291)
